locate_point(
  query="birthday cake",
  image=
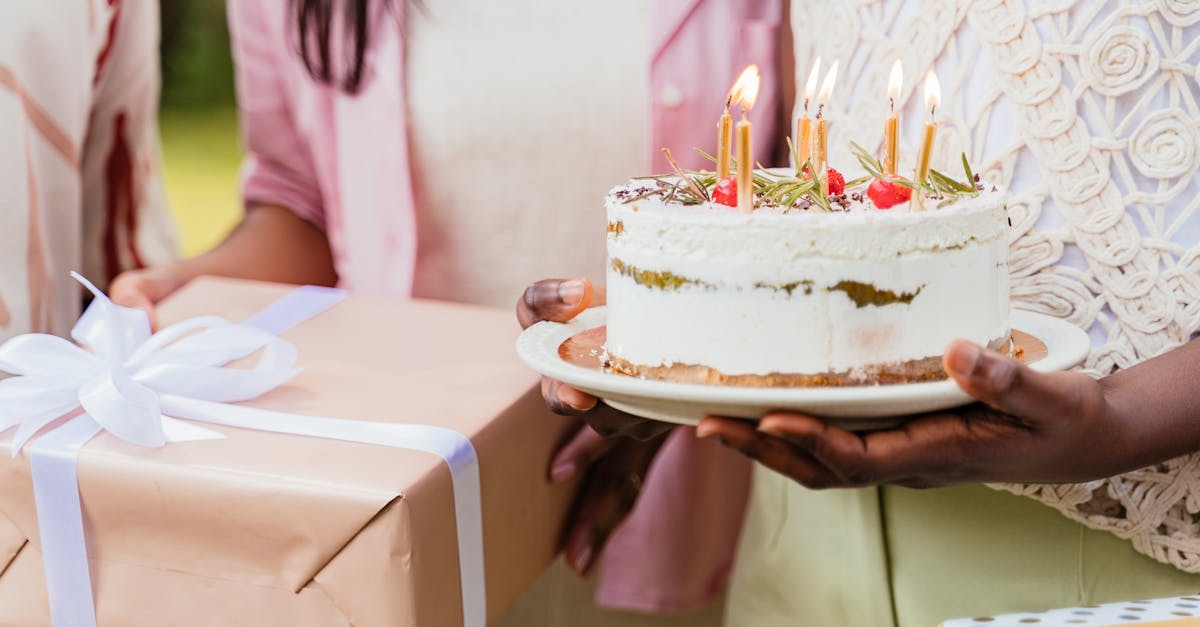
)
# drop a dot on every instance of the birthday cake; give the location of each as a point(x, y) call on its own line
point(856, 286)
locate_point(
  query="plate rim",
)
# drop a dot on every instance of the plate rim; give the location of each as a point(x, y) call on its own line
point(1067, 345)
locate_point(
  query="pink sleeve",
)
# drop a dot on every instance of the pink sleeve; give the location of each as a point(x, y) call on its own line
point(278, 169)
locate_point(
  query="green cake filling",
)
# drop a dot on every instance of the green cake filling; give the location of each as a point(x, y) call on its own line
point(861, 294)
point(864, 294)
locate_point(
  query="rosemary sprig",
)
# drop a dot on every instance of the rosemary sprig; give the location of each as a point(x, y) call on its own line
point(858, 181)
point(688, 187)
point(967, 170)
point(783, 191)
point(939, 181)
point(647, 194)
point(816, 194)
point(694, 187)
point(872, 166)
point(938, 184)
point(699, 190)
point(703, 153)
point(795, 156)
point(668, 189)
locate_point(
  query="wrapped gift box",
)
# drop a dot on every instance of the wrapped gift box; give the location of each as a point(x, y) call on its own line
point(1172, 612)
point(268, 529)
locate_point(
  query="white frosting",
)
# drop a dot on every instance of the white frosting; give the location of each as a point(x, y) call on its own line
point(736, 315)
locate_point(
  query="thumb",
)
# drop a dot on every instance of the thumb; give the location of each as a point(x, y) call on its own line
point(1009, 386)
point(553, 299)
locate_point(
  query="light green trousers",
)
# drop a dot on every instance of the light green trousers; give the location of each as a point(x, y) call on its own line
point(913, 558)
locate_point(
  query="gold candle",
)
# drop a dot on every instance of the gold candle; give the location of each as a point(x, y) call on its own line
point(737, 94)
point(821, 157)
point(747, 93)
point(804, 129)
point(745, 166)
point(891, 127)
point(821, 141)
point(724, 138)
point(933, 98)
point(804, 125)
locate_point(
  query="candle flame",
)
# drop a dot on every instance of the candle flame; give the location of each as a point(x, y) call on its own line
point(896, 82)
point(933, 91)
point(827, 85)
point(745, 88)
point(810, 88)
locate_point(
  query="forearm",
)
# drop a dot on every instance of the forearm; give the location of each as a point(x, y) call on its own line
point(1156, 406)
point(270, 244)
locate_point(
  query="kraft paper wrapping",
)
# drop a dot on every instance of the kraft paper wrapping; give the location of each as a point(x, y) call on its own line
point(267, 529)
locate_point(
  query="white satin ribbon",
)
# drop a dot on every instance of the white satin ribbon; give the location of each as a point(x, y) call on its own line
point(136, 385)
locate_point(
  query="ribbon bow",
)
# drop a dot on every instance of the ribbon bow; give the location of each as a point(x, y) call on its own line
point(131, 377)
point(120, 382)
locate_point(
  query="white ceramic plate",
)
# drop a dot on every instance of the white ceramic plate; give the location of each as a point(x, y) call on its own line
point(856, 407)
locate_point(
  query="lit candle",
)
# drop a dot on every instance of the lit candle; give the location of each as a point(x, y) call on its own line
point(821, 147)
point(725, 126)
point(933, 98)
point(804, 125)
point(724, 138)
point(891, 128)
point(745, 155)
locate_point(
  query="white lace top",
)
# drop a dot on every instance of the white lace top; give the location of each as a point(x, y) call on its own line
point(1089, 113)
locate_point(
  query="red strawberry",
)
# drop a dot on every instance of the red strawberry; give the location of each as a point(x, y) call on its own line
point(887, 194)
point(837, 182)
point(725, 192)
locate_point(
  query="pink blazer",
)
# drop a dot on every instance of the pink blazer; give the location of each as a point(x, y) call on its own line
point(342, 163)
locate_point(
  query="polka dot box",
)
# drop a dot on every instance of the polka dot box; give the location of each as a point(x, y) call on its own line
point(1174, 612)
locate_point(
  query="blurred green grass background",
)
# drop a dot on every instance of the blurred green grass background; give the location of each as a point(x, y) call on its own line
point(201, 157)
point(198, 122)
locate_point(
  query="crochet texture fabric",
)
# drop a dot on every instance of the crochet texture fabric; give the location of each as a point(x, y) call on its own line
point(1088, 112)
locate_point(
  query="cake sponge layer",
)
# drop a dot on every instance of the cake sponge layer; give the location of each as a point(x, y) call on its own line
point(773, 293)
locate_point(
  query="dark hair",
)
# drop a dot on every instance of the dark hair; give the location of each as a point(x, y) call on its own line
point(315, 22)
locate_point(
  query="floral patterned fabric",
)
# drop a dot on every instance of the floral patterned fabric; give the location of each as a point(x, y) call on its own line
point(79, 182)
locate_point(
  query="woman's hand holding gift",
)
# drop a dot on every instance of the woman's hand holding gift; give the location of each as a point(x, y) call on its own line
point(143, 289)
point(1028, 427)
point(271, 244)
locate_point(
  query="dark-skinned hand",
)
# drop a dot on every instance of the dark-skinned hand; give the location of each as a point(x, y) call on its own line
point(612, 449)
point(1028, 427)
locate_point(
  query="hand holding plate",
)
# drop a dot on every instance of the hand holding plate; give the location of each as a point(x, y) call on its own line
point(614, 467)
point(560, 300)
point(1057, 427)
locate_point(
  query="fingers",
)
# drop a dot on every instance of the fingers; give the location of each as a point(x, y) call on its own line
point(606, 421)
point(928, 446)
point(558, 300)
point(1009, 386)
point(565, 400)
point(612, 423)
point(605, 506)
point(609, 494)
point(143, 289)
point(130, 292)
point(930, 450)
point(771, 451)
point(584, 448)
point(646, 429)
point(840, 451)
